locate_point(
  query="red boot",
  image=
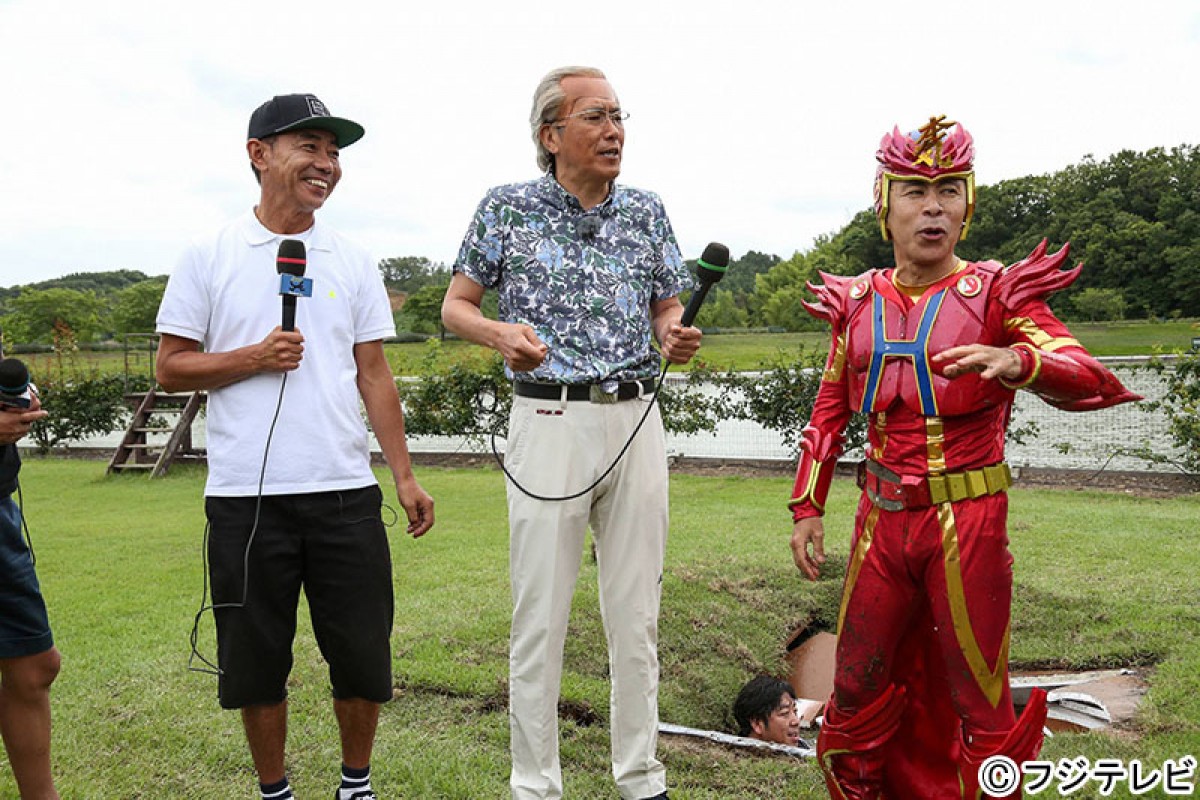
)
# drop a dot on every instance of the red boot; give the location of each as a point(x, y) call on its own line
point(850, 750)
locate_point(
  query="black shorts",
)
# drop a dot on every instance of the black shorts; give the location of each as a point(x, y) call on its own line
point(334, 545)
point(24, 625)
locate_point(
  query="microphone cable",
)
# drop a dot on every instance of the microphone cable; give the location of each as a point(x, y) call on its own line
point(208, 667)
point(711, 267)
point(25, 524)
point(628, 442)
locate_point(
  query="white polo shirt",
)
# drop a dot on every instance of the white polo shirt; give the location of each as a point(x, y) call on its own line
point(224, 293)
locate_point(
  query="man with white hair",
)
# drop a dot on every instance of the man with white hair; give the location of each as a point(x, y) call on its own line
point(587, 272)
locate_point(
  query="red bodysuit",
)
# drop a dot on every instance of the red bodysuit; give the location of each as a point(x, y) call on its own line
point(924, 620)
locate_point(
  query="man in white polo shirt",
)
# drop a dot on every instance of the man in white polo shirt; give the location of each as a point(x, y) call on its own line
point(291, 499)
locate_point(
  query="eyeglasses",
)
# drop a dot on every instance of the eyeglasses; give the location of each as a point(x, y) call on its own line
point(595, 117)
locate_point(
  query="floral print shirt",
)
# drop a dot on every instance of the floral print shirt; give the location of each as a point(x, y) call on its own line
point(583, 280)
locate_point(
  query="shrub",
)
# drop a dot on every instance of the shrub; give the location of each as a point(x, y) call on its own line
point(78, 408)
point(472, 397)
point(79, 401)
point(468, 397)
point(1181, 404)
point(780, 396)
point(1099, 305)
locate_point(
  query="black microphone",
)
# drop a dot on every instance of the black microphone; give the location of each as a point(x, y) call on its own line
point(710, 268)
point(588, 227)
point(14, 385)
point(291, 260)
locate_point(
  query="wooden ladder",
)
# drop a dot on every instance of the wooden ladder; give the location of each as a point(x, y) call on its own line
point(142, 447)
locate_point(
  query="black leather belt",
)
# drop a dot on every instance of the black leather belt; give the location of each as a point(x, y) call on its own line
point(584, 391)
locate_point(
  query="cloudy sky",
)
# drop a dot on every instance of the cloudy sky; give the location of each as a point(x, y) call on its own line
point(756, 121)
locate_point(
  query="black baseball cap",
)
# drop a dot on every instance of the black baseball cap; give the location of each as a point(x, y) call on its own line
point(293, 112)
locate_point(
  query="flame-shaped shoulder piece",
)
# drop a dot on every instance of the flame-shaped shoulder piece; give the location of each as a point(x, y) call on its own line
point(1035, 277)
point(833, 295)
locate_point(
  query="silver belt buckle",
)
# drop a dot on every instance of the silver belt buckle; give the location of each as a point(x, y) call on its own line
point(885, 503)
point(596, 394)
point(885, 479)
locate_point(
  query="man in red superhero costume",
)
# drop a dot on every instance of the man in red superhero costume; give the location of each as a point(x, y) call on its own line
point(933, 351)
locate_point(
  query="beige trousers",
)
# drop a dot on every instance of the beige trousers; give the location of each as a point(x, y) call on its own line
point(557, 448)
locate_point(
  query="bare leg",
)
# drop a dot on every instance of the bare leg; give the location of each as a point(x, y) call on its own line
point(357, 721)
point(266, 733)
point(25, 720)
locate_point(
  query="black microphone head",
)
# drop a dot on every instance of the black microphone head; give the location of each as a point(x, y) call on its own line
point(588, 227)
point(713, 263)
point(14, 377)
point(292, 259)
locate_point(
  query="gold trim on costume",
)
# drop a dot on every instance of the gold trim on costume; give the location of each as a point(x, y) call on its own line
point(935, 445)
point(810, 486)
point(915, 291)
point(827, 768)
point(1033, 373)
point(856, 561)
point(1039, 337)
point(833, 372)
point(990, 679)
point(880, 434)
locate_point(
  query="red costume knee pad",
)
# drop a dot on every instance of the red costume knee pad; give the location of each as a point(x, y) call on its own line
point(850, 749)
point(1022, 743)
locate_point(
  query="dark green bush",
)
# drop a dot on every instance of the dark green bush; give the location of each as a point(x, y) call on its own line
point(80, 406)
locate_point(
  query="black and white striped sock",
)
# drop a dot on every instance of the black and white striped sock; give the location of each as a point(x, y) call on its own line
point(355, 783)
point(276, 791)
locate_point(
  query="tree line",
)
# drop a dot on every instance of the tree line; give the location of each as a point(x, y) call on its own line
point(82, 307)
point(1133, 219)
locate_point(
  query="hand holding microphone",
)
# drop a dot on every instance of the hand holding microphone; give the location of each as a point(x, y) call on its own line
point(710, 268)
point(291, 263)
point(19, 406)
point(284, 347)
point(682, 340)
point(15, 394)
point(679, 343)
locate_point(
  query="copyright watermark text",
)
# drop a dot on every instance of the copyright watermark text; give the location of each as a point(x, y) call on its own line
point(1000, 775)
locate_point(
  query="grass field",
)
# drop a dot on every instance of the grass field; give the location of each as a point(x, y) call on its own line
point(1102, 580)
point(729, 350)
point(751, 350)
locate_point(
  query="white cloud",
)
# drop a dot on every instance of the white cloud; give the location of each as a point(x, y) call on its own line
point(755, 121)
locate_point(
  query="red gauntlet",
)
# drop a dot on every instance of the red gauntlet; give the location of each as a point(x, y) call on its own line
point(1069, 379)
point(818, 459)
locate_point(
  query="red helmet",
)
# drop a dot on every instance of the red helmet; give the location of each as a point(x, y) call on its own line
point(928, 154)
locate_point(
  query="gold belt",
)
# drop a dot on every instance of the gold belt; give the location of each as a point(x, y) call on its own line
point(893, 492)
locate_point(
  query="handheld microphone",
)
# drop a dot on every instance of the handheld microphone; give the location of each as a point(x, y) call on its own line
point(710, 268)
point(290, 263)
point(14, 385)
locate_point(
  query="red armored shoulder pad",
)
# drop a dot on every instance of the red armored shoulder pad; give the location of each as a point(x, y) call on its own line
point(1035, 277)
point(833, 296)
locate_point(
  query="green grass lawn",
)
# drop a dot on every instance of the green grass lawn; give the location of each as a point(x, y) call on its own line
point(1102, 580)
point(747, 351)
point(1135, 337)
